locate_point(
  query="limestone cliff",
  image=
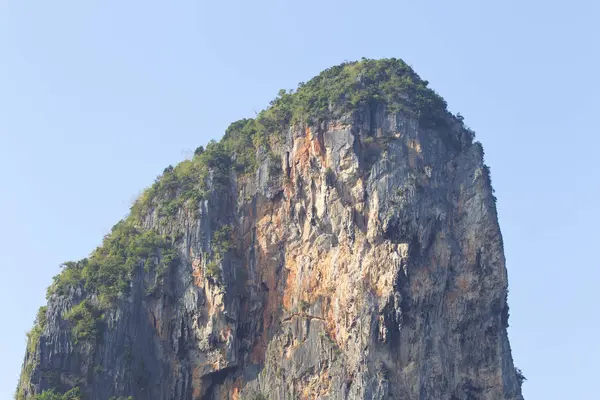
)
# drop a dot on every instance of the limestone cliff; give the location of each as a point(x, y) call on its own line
point(342, 245)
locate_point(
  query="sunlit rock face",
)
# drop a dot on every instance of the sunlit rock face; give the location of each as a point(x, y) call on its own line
point(362, 260)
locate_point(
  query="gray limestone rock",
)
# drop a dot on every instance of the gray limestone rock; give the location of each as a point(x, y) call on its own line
point(371, 268)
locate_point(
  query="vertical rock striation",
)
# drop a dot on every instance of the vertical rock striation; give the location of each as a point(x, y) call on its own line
point(343, 245)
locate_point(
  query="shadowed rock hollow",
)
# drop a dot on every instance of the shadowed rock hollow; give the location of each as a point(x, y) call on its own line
point(342, 245)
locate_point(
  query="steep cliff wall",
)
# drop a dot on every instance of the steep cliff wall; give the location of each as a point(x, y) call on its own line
point(342, 245)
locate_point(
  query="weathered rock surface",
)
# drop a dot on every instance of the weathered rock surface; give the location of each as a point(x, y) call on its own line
point(370, 267)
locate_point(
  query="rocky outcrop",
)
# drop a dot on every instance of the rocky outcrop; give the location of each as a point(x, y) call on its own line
point(364, 260)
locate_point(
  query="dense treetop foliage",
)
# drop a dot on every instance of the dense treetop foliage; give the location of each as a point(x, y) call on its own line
point(350, 85)
point(110, 267)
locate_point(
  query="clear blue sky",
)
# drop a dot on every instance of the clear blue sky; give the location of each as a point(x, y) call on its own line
point(97, 97)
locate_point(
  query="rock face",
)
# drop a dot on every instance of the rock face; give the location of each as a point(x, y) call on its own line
point(363, 260)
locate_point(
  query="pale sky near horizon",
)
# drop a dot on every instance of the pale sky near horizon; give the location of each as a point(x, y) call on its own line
point(97, 97)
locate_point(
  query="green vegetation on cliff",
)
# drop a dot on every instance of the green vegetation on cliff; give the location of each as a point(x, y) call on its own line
point(345, 87)
point(38, 328)
point(187, 183)
point(84, 317)
point(221, 245)
point(110, 267)
point(73, 394)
